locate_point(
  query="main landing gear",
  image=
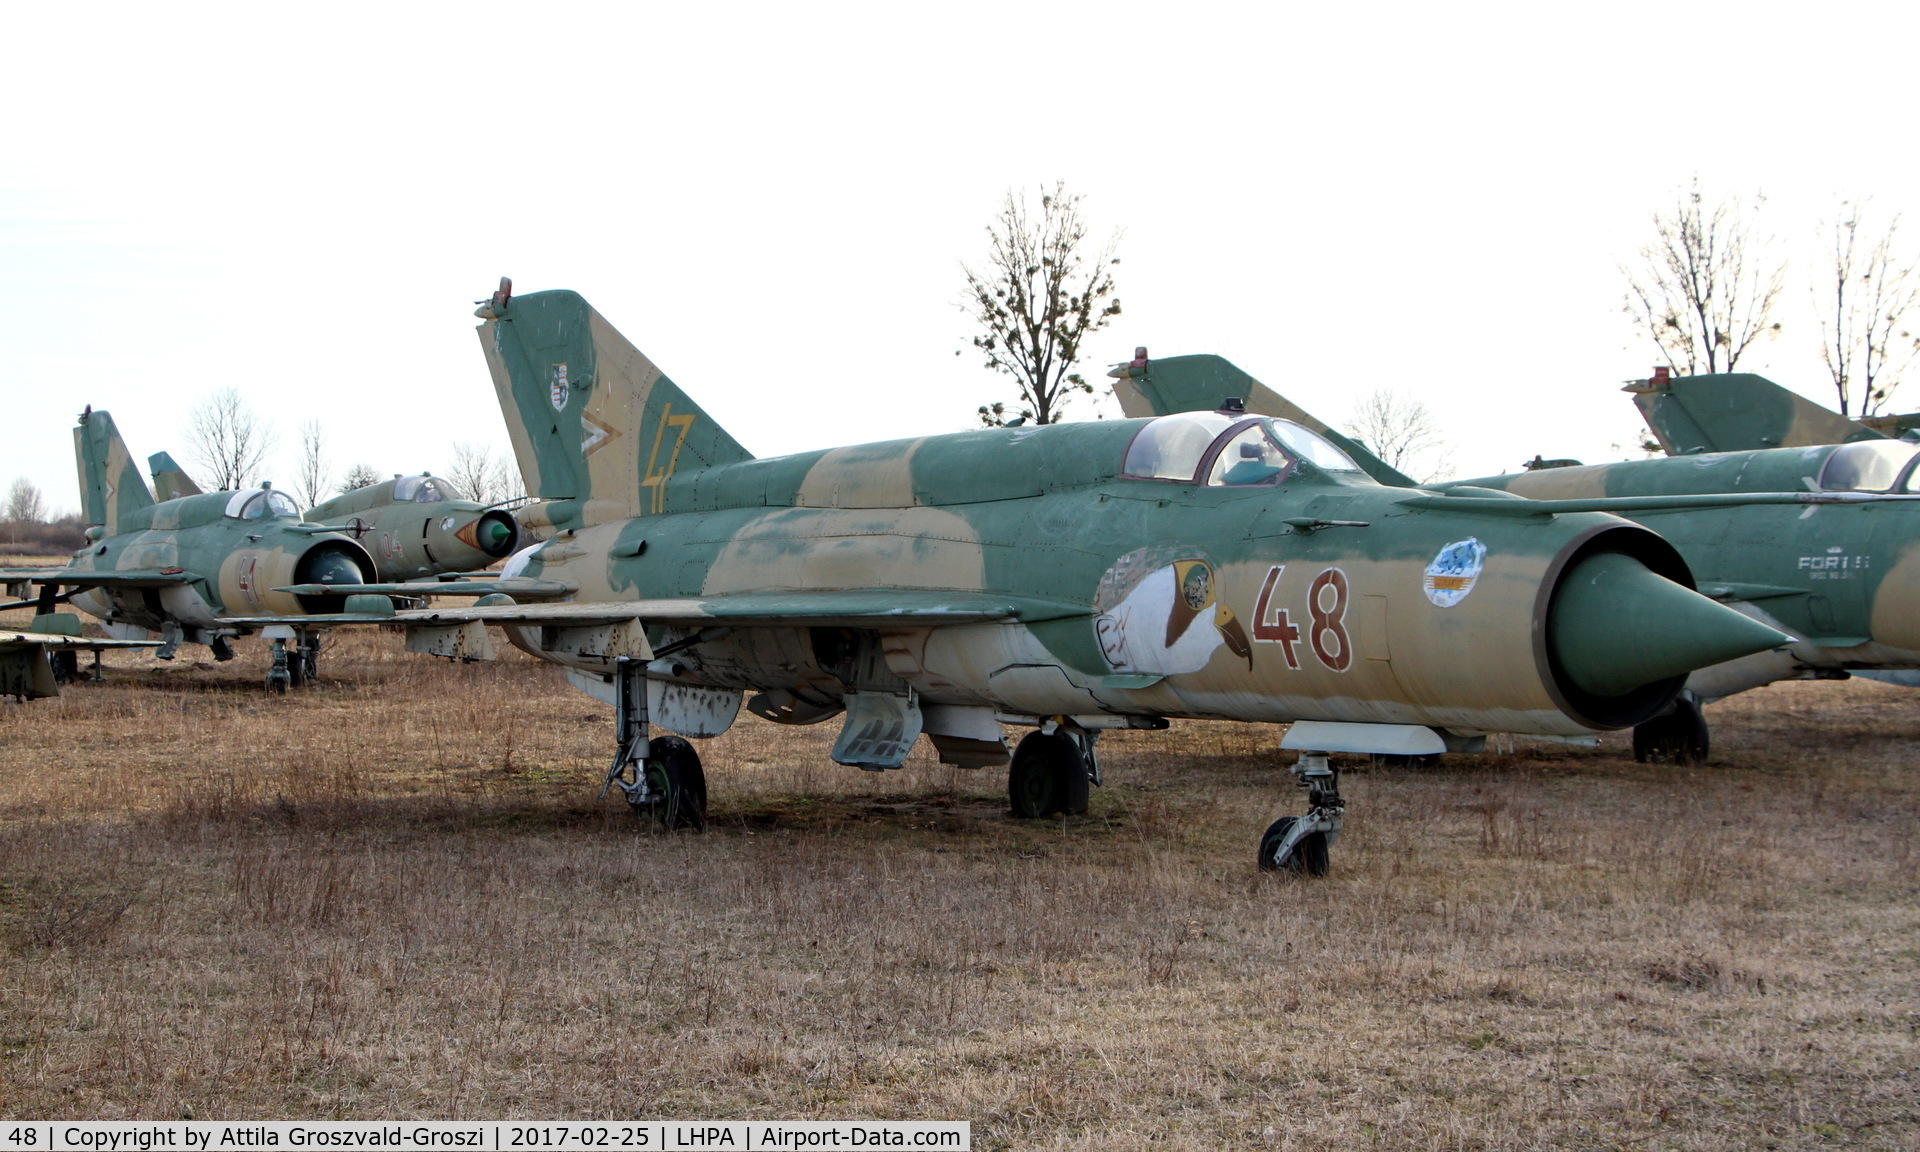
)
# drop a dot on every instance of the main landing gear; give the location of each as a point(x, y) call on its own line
point(1679, 737)
point(1051, 772)
point(660, 775)
point(292, 667)
point(1299, 843)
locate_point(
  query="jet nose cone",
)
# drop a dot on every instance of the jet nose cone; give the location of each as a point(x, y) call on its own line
point(495, 534)
point(1615, 625)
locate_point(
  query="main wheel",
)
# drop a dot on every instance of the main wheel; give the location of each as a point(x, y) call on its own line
point(1679, 737)
point(66, 665)
point(675, 778)
point(1048, 775)
point(1309, 856)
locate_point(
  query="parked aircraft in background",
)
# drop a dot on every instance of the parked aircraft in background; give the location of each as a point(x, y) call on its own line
point(1843, 581)
point(1067, 578)
point(418, 526)
point(200, 568)
point(413, 526)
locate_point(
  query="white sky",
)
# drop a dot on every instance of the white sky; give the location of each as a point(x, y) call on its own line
point(773, 200)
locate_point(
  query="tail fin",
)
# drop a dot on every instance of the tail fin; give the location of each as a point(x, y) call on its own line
point(170, 481)
point(1200, 383)
point(596, 428)
point(110, 484)
point(1737, 412)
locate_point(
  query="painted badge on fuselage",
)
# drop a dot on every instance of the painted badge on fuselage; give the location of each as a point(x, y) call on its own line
point(1452, 574)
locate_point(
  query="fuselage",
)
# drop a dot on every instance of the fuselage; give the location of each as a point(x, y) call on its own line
point(1177, 587)
point(419, 526)
point(214, 557)
point(1843, 579)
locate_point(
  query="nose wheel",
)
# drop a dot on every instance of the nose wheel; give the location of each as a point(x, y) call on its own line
point(1299, 844)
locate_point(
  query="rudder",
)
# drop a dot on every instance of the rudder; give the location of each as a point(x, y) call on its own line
point(596, 428)
point(170, 481)
point(110, 483)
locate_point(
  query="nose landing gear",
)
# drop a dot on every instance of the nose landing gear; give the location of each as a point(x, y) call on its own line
point(1299, 843)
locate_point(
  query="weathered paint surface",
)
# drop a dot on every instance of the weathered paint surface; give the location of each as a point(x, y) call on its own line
point(1844, 581)
point(1021, 571)
point(1735, 412)
point(194, 563)
point(417, 526)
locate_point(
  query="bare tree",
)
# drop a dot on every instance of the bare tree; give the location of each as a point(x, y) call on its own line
point(1705, 288)
point(1863, 307)
point(1037, 299)
point(312, 477)
point(485, 476)
point(228, 440)
point(360, 476)
point(1401, 431)
point(25, 503)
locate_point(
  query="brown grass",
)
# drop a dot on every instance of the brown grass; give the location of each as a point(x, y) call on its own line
point(395, 895)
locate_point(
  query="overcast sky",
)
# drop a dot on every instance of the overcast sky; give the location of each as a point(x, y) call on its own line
point(773, 201)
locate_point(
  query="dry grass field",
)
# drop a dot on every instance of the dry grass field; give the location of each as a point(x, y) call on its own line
point(394, 895)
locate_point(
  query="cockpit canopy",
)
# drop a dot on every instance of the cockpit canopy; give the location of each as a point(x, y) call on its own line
point(1869, 466)
point(262, 504)
point(423, 490)
point(1234, 450)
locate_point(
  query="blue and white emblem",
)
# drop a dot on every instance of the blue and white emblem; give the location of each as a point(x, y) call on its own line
point(1451, 575)
point(558, 390)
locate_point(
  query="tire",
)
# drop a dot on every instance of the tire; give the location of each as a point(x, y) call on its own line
point(1048, 775)
point(66, 666)
point(674, 773)
point(1309, 856)
point(1679, 737)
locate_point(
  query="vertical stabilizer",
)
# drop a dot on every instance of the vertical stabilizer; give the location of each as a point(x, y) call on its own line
point(596, 428)
point(1199, 384)
point(1736, 412)
point(170, 481)
point(110, 483)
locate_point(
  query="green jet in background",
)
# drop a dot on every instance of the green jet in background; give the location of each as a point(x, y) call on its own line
point(413, 526)
point(1841, 575)
point(1068, 578)
point(200, 568)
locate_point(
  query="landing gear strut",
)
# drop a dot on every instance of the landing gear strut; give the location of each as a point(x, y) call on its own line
point(1051, 771)
point(292, 667)
point(1300, 843)
point(1679, 737)
point(660, 776)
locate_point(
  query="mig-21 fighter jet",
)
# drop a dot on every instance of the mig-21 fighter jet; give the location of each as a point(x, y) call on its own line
point(200, 568)
point(1820, 541)
point(413, 526)
point(1067, 578)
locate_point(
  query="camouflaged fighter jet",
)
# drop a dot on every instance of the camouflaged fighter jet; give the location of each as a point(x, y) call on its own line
point(414, 526)
point(1068, 578)
point(1844, 581)
point(1738, 412)
point(200, 568)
